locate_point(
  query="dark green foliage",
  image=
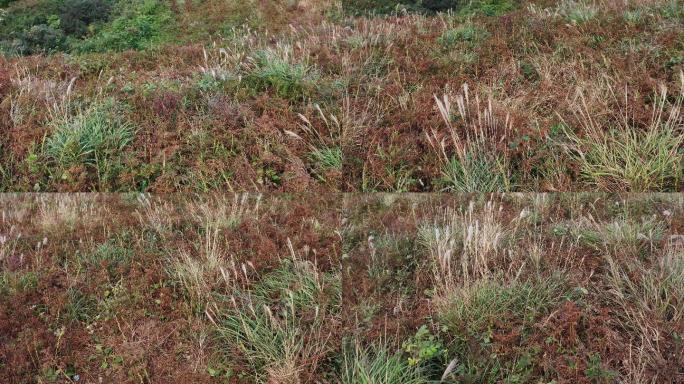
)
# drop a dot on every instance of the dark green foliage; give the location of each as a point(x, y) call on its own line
point(76, 15)
point(441, 5)
point(40, 38)
point(83, 25)
point(24, 30)
point(137, 27)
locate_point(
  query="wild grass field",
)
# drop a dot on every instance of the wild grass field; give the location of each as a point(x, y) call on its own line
point(142, 289)
point(375, 289)
point(353, 96)
point(342, 191)
point(526, 288)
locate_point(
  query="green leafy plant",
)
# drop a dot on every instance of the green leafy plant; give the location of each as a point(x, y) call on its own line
point(423, 347)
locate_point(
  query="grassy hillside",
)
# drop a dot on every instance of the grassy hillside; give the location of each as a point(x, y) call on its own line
point(355, 96)
point(377, 289)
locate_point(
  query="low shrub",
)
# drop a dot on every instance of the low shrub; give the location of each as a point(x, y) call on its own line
point(75, 16)
point(137, 28)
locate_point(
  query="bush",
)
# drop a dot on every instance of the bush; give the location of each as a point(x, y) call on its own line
point(463, 7)
point(485, 7)
point(42, 38)
point(138, 28)
point(442, 5)
point(47, 25)
point(76, 15)
point(24, 29)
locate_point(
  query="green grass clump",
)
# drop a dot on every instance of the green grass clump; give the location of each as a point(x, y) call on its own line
point(629, 159)
point(110, 255)
point(472, 311)
point(271, 70)
point(92, 137)
point(467, 33)
point(279, 324)
point(623, 156)
point(620, 236)
point(476, 172)
point(378, 365)
point(327, 158)
point(647, 294)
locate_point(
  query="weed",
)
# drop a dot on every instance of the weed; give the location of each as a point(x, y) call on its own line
point(478, 235)
point(475, 173)
point(474, 165)
point(467, 33)
point(93, 137)
point(596, 371)
point(577, 11)
point(377, 365)
point(620, 235)
point(201, 276)
point(108, 254)
point(65, 212)
point(472, 310)
point(626, 158)
point(424, 348)
point(285, 341)
point(276, 69)
point(80, 306)
point(324, 144)
point(654, 296)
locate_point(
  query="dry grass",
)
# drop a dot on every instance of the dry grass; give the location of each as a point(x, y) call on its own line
point(463, 245)
point(651, 299)
point(617, 155)
point(468, 150)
